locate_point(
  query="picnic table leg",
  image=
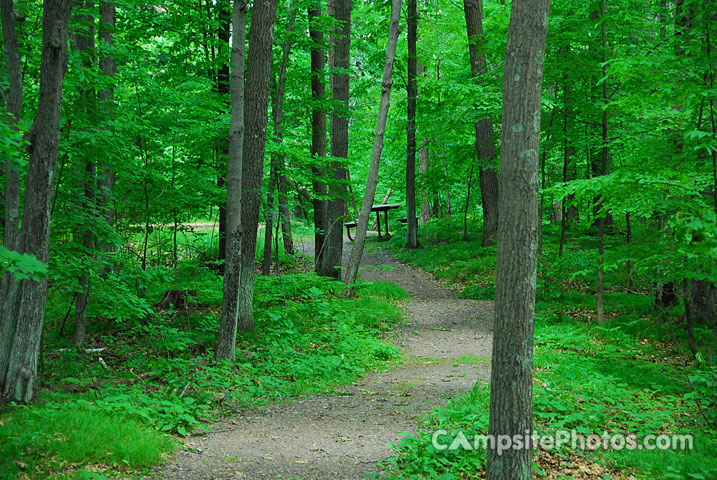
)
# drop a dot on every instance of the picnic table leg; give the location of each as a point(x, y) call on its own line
point(378, 222)
point(385, 219)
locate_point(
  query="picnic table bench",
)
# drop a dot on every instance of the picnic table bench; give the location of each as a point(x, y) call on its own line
point(383, 207)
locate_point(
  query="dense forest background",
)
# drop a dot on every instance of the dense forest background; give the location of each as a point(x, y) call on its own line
point(136, 192)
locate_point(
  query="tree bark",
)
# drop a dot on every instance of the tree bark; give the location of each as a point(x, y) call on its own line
point(24, 308)
point(258, 80)
point(411, 94)
point(372, 180)
point(108, 68)
point(487, 173)
point(226, 337)
point(339, 126)
point(318, 136)
point(516, 276)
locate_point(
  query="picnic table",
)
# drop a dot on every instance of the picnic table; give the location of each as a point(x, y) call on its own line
point(382, 207)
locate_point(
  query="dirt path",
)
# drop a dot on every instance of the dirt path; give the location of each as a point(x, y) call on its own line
point(342, 434)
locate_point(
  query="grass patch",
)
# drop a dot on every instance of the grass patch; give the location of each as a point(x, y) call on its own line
point(59, 440)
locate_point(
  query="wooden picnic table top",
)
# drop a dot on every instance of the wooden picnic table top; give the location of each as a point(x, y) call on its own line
point(385, 206)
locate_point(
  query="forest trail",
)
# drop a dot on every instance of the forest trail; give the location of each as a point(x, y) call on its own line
point(343, 433)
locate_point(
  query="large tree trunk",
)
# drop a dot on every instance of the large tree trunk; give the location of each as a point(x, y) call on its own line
point(372, 181)
point(484, 127)
point(318, 136)
point(83, 41)
point(258, 80)
point(411, 94)
point(512, 364)
point(339, 125)
point(24, 307)
point(226, 337)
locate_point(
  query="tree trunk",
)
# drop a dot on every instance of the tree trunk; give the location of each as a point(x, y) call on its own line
point(108, 68)
point(372, 181)
point(226, 336)
point(603, 171)
point(83, 41)
point(24, 308)
point(258, 79)
point(411, 94)
point(484, 127)
point(512, 363)
point(318, 136)
point(339, 126)
point(274, 180)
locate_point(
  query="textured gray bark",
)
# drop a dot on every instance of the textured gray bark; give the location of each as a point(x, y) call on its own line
point(258, 80)
point(411, 94)
point(24, 307)
point(487, 173)
point(226, 337)
point(83, 42)
point(516, 276)
point(339, 126)
point(372, 180)
point(318, 136)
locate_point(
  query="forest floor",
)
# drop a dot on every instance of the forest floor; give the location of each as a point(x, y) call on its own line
point(343, 433)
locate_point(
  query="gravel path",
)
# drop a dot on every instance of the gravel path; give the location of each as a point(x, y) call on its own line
point(342, 434)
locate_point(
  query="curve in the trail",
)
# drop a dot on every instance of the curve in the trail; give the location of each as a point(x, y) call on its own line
point(343, 434)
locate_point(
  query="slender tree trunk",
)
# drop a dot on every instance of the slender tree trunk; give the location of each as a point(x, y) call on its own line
point(108, 68)
point(411, 94)
point(423, 158)
point(512, 360)
point(226, 337)
point(603, 171)
point(258, 79)
point(372, 180)
point(468, 202)
point(339, 126)
point(222, 78)
point(488, 176)
point(318, 135)
point(24, 308)
point(83, 41)
point(277, 114)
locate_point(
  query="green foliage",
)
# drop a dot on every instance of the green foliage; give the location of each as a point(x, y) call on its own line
point(60, 439)
point(21, 265)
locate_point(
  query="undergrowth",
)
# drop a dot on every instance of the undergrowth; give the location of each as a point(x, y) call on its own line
point(110, 406)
